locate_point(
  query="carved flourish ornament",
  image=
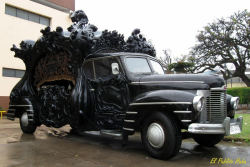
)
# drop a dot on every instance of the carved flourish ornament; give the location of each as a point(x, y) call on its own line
point(58, 56)
point(52, 68)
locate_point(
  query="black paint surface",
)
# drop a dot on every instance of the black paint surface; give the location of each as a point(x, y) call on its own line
point(59, 93)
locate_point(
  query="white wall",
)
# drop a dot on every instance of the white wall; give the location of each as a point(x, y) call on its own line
point(13, 30)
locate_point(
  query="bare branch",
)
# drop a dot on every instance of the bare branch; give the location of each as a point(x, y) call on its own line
point(222, 42)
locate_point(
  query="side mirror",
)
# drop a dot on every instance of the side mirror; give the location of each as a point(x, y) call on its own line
point(115, 68)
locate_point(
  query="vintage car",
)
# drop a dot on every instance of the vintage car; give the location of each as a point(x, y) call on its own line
point(118, 93)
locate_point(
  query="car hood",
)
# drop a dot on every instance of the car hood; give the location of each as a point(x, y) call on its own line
point(185, 81)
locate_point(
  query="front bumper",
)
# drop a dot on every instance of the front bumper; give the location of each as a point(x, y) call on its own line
point(228, 127)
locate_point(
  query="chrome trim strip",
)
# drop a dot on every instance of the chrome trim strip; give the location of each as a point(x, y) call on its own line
point(10, 114)
point(132, 121)
point(157, 82)
point(219, 88)
point(22, 105)
point(110, 133)
point(158, 103)
point(128, 129)
point(182, 112)
point(29, 110)
point(91, 59)
point(186, 121)
point(131, 112)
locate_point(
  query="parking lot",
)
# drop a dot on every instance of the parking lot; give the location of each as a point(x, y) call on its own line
point(58, 147)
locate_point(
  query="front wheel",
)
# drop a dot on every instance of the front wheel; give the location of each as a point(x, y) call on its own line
point(26, 126)
point(161, 136)
point(208, 140)
point(231, 113)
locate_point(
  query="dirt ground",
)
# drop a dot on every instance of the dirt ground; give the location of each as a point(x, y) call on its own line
point(50, 147)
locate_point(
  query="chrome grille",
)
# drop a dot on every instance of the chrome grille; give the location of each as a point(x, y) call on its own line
point(216, 106)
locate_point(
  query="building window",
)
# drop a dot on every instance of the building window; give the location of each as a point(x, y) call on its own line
point(13, 11)
point(9, 72)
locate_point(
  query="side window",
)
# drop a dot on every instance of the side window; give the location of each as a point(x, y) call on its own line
point(103, 67)
point(88, 69)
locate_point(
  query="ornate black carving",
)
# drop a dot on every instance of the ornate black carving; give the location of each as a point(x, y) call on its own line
point(55, 61)
point(108, 41)
point(109, 112)
point(138, 44)
point(25, 51)
point(55, 110)
point(24, 87)
point(54, 67)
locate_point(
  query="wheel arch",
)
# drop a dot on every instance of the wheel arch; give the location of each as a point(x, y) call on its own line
point(142, 118)
point(167, 102)
point(171, 145)
point(24, 104)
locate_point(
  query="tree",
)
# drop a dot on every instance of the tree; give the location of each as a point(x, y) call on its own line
point(166, 60)
point(225, 43)
point(182, 64)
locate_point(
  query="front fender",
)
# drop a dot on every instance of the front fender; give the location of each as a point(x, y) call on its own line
point(164, 100)
point(167, 97)
point(176, 102)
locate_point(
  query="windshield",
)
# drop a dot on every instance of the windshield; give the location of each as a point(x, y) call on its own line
point(156, 67)
point(137, 65)
point(141, 65)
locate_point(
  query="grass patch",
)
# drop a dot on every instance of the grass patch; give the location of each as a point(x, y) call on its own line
point(245, 134)
point(242, 92)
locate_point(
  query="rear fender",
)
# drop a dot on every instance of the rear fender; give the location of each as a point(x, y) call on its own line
point(24, 104)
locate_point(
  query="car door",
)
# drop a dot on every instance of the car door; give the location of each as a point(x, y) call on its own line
point(110, 91)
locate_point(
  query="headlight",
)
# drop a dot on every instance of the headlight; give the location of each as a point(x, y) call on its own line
point(198, 103)
point(234, 102)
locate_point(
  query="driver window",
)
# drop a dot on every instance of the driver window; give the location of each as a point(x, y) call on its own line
point(103, 67)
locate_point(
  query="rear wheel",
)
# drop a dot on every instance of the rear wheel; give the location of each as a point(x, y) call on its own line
point(161, 136)
point(26, 126)
point(208, 140)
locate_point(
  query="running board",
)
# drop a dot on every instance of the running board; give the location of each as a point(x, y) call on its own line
point(108, 133)
point(112, 133)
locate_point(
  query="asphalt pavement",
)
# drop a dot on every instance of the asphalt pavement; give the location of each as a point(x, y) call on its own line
point(58, 147)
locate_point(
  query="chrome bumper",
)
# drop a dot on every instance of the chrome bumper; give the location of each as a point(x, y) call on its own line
point(229, 126)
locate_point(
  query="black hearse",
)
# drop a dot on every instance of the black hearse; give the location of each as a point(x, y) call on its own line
point(102, 83)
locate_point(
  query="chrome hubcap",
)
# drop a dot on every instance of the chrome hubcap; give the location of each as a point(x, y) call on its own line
point(155, 135)
point(24, 119)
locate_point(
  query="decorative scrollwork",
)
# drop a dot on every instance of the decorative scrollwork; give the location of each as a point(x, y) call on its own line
point(52, 68)
point(54, 108)
point(56, 58)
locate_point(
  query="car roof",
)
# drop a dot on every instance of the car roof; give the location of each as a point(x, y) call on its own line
point(101, 55)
